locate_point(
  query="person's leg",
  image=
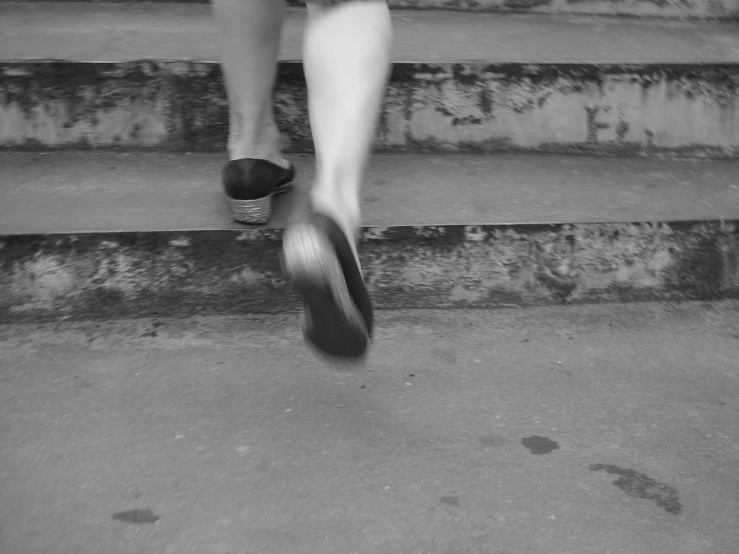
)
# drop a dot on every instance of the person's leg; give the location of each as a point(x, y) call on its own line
point(346, 60)
point(249, 32)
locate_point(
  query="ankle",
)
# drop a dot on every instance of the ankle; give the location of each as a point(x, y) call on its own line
point(344, 211)
point(269, 155)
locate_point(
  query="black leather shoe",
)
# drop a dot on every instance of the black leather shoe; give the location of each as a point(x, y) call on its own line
point(318, 261)
point(250, 185)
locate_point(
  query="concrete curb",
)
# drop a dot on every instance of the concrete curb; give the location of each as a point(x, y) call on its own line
point(603, 109)
point(103, 275)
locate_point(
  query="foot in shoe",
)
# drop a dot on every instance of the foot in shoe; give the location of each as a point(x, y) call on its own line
point(344, 213)
point(319, 263)
point(250, 185)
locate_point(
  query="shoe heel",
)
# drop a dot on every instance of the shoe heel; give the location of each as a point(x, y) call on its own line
point(308, 256)
point(252, 212)
point(312, 267)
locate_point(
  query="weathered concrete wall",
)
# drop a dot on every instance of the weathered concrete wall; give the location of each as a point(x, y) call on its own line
point(233, 272)
point(569, 108)
point(647, 8)
point(565, 107)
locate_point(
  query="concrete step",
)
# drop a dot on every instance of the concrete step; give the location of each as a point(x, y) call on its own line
point(97, 235)
point(706, 9)
point(146, 76)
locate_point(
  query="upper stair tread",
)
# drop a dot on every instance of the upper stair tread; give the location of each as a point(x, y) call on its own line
point(74, 192)
point(122, 32)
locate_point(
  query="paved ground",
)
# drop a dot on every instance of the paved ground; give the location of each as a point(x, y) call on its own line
point(114, 32)
point(600, 429)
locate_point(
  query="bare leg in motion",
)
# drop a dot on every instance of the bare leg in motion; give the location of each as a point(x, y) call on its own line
point(347, 60)
point(347, 57)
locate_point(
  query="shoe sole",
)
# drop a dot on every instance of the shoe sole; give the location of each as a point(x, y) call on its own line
point(333, 323)
point(257, 211)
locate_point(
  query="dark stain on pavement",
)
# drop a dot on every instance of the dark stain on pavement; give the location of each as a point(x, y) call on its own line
point(136, 516)
point(638, 485)
point(492, 440)
point(539, 445)
point(451, 501)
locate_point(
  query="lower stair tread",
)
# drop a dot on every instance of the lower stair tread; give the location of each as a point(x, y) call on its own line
point(76, 192)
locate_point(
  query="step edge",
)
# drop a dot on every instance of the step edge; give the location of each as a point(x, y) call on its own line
point(376, 232)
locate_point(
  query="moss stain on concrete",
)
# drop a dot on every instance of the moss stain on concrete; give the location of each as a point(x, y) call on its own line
point(231, 272)
point(568, 108)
